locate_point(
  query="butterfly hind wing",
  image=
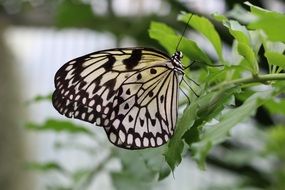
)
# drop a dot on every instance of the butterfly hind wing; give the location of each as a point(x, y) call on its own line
point(145, 111)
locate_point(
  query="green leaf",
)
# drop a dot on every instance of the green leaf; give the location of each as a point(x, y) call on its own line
point(275, 141)
point(81, 174)
point(219, 132)
point(239, 32)
point(164, 35)
point(45, 166)
point(40, 98)
point(257, 10)
point(213, 102)
point(244, 44)
point(219, 17)
point(175, 145)
point(241, 14)
point(247, 52)
point(275, 58)
point(58, 126)
point(240, 157)
point(167, 38)
point(205, 27)
point(139, 169)
point(148, 162)
point(206, 107)
point(125, 181)
point(270, 22)
point(278, 47)
point(164, 172)
point(275, 106)
point(74, 14)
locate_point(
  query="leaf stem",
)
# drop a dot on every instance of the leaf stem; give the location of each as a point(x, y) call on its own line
point(252, 79)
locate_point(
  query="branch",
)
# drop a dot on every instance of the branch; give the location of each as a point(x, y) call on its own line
point(94, 172)
point(254, 79)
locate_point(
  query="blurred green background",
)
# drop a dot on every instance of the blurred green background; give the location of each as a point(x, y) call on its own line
point(38, 36)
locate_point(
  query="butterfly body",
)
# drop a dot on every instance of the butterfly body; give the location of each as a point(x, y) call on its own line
point(131, 92)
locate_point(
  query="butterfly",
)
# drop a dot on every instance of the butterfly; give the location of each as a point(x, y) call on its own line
point(131, 92)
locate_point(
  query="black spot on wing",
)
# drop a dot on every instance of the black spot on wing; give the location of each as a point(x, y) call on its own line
point(126, 106)
point(153, 71)
point(141, 122)
point(161, 98)
point(134, 59)
point(109, 64)
point(130, 118)
point(153, 122)
point(139, 76)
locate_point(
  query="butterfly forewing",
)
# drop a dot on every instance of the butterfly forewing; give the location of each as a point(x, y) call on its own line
point(131, 92)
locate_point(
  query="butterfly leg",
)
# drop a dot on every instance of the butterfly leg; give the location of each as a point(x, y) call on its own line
point(185, 93)
point(191, 80)
point(192, 62)
point(190, 87)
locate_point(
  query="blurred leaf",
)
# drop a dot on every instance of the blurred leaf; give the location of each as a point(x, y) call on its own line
point(167, 38)
point(275, 106)
point(40, 98)
point(244, 47)
point(134, 161)
point(153, 158)
point(80, 174)
point(275, 58)
point(277, 47)
point(246, 51)
point(136, 172)
point(220, 132)
point(126, 181)
point(164, 172)
point(276, 141)
point(164, 35)
point(58, 126)
point(219, 17)
point(58, 187)
point(269, 22)
point(241, 14)
point(239, 32)
point(205, 27)
point(45, 166)
point(74, 14)
point(240, 157)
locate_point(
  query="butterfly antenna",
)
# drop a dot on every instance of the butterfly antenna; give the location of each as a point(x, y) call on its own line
point(183, 32)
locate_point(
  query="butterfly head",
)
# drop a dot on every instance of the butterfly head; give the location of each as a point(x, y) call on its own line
point(176, 60)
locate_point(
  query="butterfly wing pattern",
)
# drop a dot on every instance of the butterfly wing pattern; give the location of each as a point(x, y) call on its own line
point(131, 92)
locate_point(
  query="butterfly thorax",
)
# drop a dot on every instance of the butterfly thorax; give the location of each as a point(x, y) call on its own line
point(176, 61)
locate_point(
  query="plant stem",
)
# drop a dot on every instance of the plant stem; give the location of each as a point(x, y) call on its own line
point(91, 176)
point(259, 79)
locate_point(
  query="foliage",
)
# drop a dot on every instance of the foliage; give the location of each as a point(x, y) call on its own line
point(228, 95)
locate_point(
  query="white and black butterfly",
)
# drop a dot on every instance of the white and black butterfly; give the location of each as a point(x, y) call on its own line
point(131, 92)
